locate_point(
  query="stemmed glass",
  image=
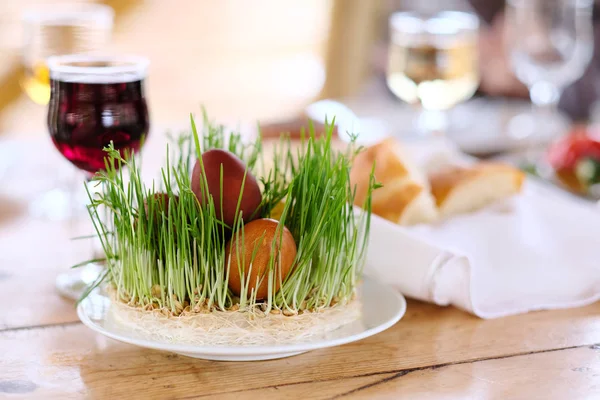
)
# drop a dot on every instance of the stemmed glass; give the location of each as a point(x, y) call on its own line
point(95, 101)
point(433, 61)
point(52, 30)
point(57, 29)
point(550, 43)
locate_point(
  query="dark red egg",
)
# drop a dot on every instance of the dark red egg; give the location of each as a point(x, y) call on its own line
point(152, 222)
point(161, 202)
point(234, 170)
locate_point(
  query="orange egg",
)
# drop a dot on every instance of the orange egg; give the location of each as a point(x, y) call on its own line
point(258, 239)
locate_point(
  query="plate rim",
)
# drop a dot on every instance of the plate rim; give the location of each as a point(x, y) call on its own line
point(254, 350)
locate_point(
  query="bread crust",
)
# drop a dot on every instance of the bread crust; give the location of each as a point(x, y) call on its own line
point(447, 182)
point(402, 187)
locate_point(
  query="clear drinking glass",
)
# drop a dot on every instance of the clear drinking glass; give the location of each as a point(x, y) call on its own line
point(550, 43)
point(95, 101)
point(433, 61)
point(57, 29)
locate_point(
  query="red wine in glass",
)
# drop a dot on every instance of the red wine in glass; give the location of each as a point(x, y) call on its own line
point(95, 101)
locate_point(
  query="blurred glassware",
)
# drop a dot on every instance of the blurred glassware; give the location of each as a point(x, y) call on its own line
point(95, 101)
point(433, 61)
point(57, 29)
point(550, 44)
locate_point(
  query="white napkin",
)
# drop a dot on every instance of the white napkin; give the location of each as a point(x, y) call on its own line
point(537, 250)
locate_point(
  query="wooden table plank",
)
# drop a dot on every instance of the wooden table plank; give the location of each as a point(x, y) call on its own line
point(563, 374)
point(34, 248)
point(319, 390)
point(74, 359)
point(32, 253)
point(45, 353)
point(566, 374)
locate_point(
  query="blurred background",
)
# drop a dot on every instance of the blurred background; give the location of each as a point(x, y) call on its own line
point(270, 59)
point(265, 61)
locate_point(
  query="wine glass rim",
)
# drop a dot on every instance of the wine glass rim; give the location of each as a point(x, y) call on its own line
point(398, 20)
point(70, 13)
point(127, 64)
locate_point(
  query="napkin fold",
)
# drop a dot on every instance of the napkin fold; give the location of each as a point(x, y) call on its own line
point(537, 250)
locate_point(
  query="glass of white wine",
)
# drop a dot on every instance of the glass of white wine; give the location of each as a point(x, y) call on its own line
point(59, 29)
point(433, 62)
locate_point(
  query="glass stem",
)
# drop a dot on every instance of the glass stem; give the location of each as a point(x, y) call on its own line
point(94, 188)
point(72, 283)
point(544, 97)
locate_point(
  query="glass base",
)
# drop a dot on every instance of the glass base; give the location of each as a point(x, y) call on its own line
point(72, 284)
point(536, 128)
point(65, 201)
point(432, 123)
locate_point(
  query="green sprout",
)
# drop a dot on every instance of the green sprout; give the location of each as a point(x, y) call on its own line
point(167, 251)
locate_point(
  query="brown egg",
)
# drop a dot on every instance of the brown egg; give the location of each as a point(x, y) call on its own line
point(161, 203)
point(259, 235)
point(153, 217)
point(233, 176)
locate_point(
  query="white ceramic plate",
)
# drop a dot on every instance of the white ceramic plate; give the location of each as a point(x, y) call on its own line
point(382, 307)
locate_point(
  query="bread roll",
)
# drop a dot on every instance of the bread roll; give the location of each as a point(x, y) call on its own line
point(404, 198)
point(459, 190)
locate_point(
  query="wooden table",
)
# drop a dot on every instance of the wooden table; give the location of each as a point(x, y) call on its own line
point(431, 353)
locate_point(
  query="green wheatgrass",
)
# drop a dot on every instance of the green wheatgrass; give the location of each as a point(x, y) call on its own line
point(173, 258)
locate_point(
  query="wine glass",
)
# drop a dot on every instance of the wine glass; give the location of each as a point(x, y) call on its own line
point(59, 29)
point(550, 44)
point(95, 101)
point(433, 61)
